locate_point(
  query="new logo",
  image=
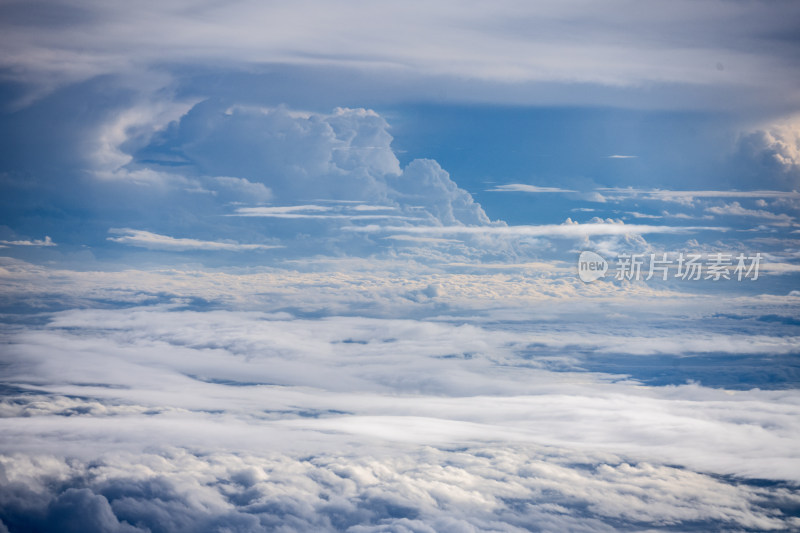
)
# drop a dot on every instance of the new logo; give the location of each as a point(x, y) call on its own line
point(591, 266)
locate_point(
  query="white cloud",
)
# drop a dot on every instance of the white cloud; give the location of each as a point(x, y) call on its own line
point(521, 187)
point(331, 284)
point(736, 209)
point(773, 153)
point(35, 242)
point(622, 156)
point(687, 197)
point(636, 214)
point(292, 158)
point(133, 128)
point(421, 239)
point(603, 194)
point(462, 45)
point(361, 207)
point(220, 378)
point(568, 229)
point(154, 241)
point(314, 212)
point(501, 488)
point(254, 192)
point(481, 411)
point(425, 183)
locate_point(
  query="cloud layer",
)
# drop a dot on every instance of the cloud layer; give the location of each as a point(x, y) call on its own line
point(680, 43)
point(170, 419)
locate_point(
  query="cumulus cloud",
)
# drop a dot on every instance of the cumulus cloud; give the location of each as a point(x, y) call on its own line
point(474, 489)
point(425, 183)
point(773, 154)
point(131, 128)
point(295, 158)
point(154, 241)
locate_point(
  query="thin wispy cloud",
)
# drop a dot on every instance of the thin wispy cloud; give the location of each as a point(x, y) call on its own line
point(521, 187)
point(47, 241)
point(688, 195)
point(292, 213)
point(421, 239)
point(154, 241)
point(569, 229)
point(665, 195)
point(736, 209)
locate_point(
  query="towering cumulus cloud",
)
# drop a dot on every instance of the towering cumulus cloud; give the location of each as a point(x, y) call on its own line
point(302, 157)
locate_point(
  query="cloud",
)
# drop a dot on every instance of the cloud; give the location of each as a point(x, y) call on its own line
point(474, 53)
point(636, 214)
point(129, 129)
point(568, 229)
point(667, 214)
point(433, 370)
point(425, 183)
point(603, 194)
point(176, 419)
point(521, 187)
point(622, 156)
point(293, 158)
point(772, 154)
point(480, 489)
point(686, 197)
point(35, 242)
point(421, 239)
point(736, 209)
point(331, 284)
point(254, 192)
point(154, 241)
point(367, 399)
point(317, 212)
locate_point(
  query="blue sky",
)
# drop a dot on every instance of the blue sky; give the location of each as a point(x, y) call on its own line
point(314, 267)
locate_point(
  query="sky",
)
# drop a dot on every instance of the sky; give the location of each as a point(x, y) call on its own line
point(326, 267)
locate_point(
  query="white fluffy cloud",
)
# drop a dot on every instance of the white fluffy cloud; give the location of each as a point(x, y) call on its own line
point(377, 401)
point(475, 489)
point(773, 153)
point(293, 157)
point(163, 417)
